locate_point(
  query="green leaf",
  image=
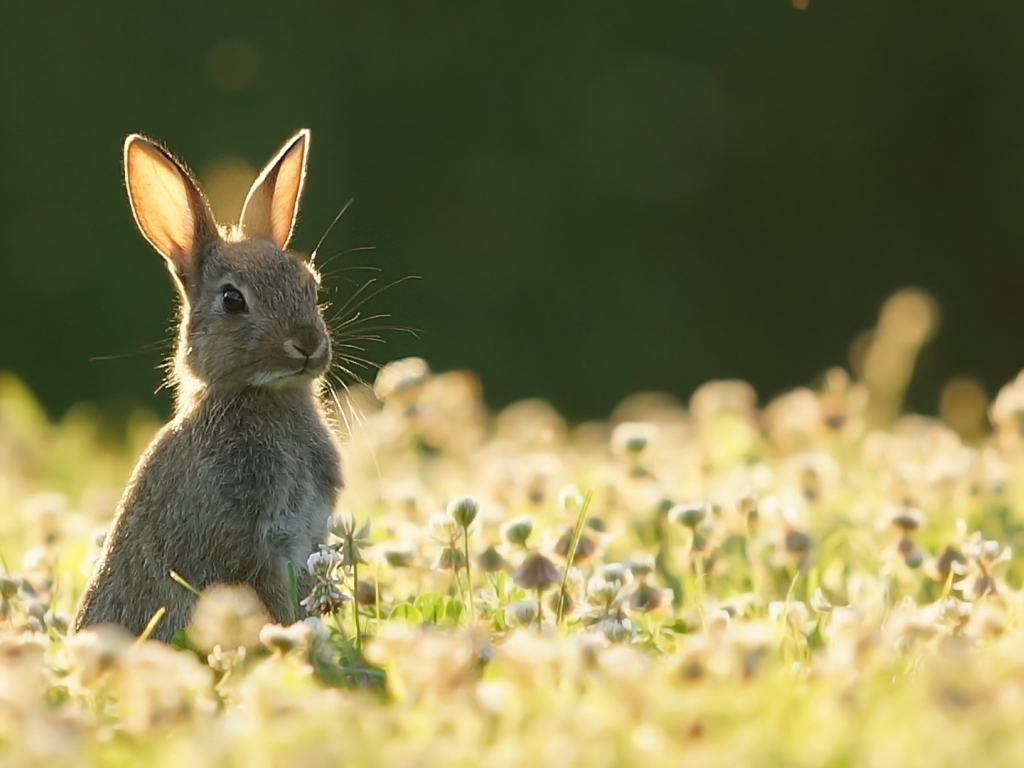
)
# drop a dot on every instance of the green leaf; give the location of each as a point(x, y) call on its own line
point(453, 609)
point(431, 607)
point(406, 612)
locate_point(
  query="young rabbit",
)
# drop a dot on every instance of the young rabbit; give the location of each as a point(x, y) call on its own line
point(242, 481)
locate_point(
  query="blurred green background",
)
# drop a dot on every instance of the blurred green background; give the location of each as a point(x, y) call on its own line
point(599, 197)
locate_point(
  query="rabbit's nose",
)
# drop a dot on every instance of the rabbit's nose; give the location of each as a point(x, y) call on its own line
point(304, 343)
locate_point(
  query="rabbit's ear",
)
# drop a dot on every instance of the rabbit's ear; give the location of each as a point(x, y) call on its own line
point(272, 205)
point(170, 210)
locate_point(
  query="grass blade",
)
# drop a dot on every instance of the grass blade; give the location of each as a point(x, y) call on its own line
point(577, 532)
point(150, 626)
point(177, 579)
point(293, 588)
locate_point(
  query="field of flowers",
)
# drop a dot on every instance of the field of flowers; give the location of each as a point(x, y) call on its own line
point(821, 581)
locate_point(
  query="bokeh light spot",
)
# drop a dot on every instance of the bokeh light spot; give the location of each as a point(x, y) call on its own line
point(910, 315)
point(226, 182)
point(964, 406)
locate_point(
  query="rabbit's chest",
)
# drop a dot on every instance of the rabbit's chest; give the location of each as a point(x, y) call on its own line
point(278, 472)
point(299, 515)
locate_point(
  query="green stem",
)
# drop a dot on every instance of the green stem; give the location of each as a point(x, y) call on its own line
point(469, 575)
point(754, 556)
point(355, 603)
point(698, 589)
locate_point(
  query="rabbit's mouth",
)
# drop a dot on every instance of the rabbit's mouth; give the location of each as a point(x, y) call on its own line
point(284, 379)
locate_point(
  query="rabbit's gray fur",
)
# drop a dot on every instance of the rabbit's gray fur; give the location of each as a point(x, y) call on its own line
point(244, 478)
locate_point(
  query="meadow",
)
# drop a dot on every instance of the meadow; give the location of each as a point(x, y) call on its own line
point(819, 580)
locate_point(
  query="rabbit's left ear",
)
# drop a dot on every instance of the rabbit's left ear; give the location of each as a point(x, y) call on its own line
point(272, 204)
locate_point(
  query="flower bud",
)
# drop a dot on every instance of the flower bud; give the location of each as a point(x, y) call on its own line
point(398, 557)
point(491, 561)
point(797, 542)
point(632, 438)
point(521, 613)
point(9, 587)
point(690, 515)
point(536, 572)
point(517, 531)
point(463, 510)
point(641, 566)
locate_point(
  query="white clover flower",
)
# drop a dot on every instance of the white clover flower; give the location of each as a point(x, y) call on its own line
point(444, 529)
point(399, 377)
point(450, 559)
point(354, 539)
point(229, 615)
point(570, 498)
point(159, 686)
point(536, 572)
point(717, 620)
point(575, 584)
point(284, 639)
point(96, 650)
point(323, 563)
point(820, 603)
point(603, 591)
point(316, 628)
point(325, 598)
point(617, 630)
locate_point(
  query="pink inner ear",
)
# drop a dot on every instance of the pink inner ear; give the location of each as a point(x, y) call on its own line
point(159, 198)
point(287, 187)
point(272, 204)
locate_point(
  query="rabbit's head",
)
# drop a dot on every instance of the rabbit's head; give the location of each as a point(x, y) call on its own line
point(249, 315)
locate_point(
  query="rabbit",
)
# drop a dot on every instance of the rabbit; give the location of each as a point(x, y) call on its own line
point(244, 478)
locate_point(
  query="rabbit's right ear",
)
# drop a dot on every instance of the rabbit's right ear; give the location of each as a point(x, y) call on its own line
point(272, 204)
point(168, 207)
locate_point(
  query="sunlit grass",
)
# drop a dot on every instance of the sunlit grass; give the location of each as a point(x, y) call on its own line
point(816, 582)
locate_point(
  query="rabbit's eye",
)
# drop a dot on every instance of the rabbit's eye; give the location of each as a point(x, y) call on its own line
point(233, 300)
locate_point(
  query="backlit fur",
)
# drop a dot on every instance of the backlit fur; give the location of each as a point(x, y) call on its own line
point(244, 478)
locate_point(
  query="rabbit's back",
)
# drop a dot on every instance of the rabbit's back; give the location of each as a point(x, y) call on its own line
point(228, 492)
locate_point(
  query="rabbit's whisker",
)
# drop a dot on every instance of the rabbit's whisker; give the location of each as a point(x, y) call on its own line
point(362, 362)
point(152, 346)
point(355, 319)
point(355, 295)
point(375, 293)
point(348, 251)
point(351, 374)
point(312, 256)
point(358, 418)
